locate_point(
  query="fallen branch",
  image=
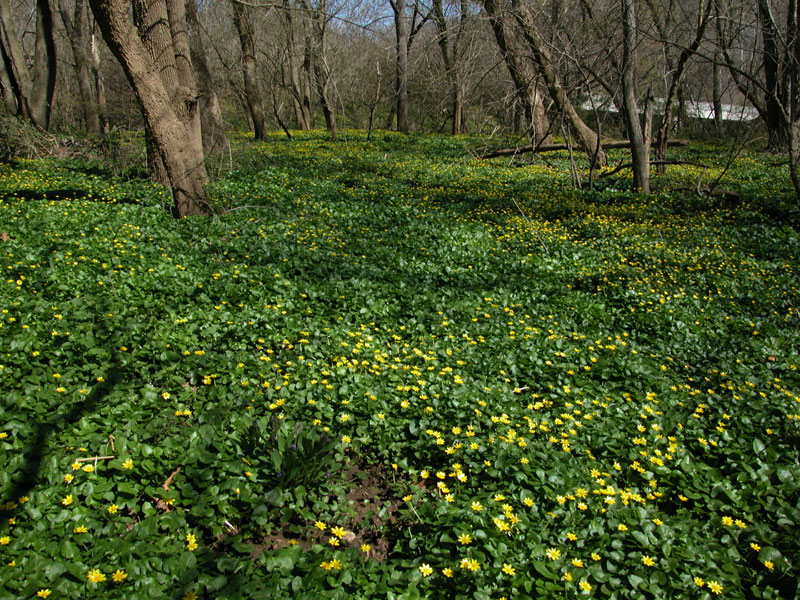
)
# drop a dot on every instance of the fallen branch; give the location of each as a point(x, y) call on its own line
point(554, 147)
point(94, 458)
point(654, 162)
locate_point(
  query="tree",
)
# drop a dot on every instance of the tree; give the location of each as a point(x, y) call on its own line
point(522, 72)
point(171, 120)
point(211, 122)
point(543, 59)
point(757, 50)
point(29, 91)
point(242, 18)
point(406, 29)
point(319, 18)
point(77, 31)
point(638, 136)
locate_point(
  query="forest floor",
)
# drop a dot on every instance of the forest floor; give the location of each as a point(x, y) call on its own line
point(388, 369)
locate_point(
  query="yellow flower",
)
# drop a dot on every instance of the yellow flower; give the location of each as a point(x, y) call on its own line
point(95, 576)
point(648, 561)
point(715, 587)
point(567, 576)
point(191, 542)
point(595, 556)
point(320, 525)
point(119, 575)
point(553, 553)
point(585, 586)
point(699, 582)
point(508, 569)
point(470, 564)
point(339, 532)
point(365, 548)
point(577, 562)
point(44, 593)
point(80, 529)
point(769, 564)
point(727, 521)
point(622, 527)
point(67, 500)
point(68, 477)
point(755, 546)
point(447, 572)
point(464, 539)
point(190, 595)
point(128, 464)
point(477, 506)
point(425, 569)
point(5, 540)
point(112, 510)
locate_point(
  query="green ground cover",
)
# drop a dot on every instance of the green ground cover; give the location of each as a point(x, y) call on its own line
point(392, 371)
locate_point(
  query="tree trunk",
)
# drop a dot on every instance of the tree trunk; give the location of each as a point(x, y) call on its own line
point(297, 84)
point(534, 115)
point(244, 26)
point(99, 85)
point(588, 139)
point(716, 92)
point(211, 123)
point(319, 18)
point(33, 89)
point(171, 137)
point(640, 151)
point(401, 29)
point(76, 28)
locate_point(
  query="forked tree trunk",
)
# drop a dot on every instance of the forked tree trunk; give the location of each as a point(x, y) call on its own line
point(212, 125)
point(588, 139)
point(173, 139)
point(295, 55)
point(401, 29)
point(99, 84)
point(33, 88)
point(640, 146)
point(77, 29)
point(522, 76)
point(319, 17)
point(244, 26)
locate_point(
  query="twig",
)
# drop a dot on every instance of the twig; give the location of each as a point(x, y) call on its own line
point(94, 458)
point(169, 479)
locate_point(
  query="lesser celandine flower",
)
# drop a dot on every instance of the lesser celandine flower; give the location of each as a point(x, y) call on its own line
point(43, 593)
point(715, 587)
point(425, 569)
point(119, 575)
point(95, 576)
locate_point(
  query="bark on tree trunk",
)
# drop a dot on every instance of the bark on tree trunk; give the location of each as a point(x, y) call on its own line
point(171, 136)
point(319, 17)
point(76, 28)
point(640, 151)
point(211, 123)
point(401, 29)
point(717, 91)
point(32, 89)
point(588, 139)
point(99, 85)
point(297, 84)
point(522, 77)
point(244, 26)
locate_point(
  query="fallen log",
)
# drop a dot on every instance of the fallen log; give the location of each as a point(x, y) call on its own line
point(563, 146)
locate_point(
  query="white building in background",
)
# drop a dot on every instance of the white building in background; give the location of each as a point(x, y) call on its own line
point(694, 109)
